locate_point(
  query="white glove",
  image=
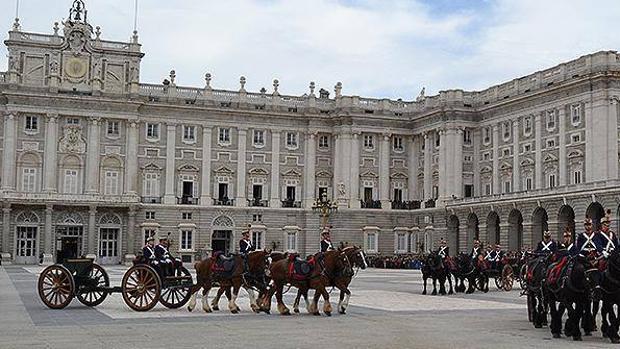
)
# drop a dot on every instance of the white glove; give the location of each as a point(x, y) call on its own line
point(605, 254)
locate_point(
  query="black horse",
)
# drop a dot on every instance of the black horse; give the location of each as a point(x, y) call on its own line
point(610, 291)
point(433, 268)
point(465, 270)
point(534, 279)
point(572, 289)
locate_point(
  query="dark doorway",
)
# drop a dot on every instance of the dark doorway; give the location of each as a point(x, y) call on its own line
point(367, 194)
point(221, 241)
point(290, 193)
point(222, 193)
point(188, 189)
point(257, 192)
point(68, 249)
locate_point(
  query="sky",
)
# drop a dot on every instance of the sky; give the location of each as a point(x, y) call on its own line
point(376, 48)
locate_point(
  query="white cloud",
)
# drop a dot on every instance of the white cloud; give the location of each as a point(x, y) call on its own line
point(375, 47)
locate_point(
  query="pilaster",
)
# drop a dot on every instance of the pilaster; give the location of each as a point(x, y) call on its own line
point(92, 157)
point(169, 194)
point(538, 170)
point(428, 177)
point(275, 170)
point(6, 231)
point(9, 153)
point(496, 181)
point(412, 168)
point(241, 166)
point(205, 192)
point(384, 172)
point(131, 236)
point(310, 169)
point(131, 175)
point(48, 253)
point(93, 236)
point(50, 160)
point(563, 180)
point(354, 181)
point(516, 175)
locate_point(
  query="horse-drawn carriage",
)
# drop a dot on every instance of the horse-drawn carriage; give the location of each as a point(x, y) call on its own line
point(502, 273)
point(142, 285)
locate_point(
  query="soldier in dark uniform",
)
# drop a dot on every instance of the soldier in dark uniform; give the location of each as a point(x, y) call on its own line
point(162, 255)
point(148, 251)
point(495, 256)
point(588, 241)
point(546, 245)
point(444, 249)
point(326, 242)
point(566, 247)
point(245, 244)
point(608, 238)
point(476, 251)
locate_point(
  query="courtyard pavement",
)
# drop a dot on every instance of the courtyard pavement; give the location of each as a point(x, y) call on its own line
point(387, 311)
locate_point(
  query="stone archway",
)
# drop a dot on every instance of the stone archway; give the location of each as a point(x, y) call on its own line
point(515, 230)
point(473, 231)
point(595, 211)
point(566, 219)
point(539, 224)
point(453, 234)
point(493, 231)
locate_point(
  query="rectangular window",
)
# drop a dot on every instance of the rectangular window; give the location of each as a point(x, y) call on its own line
point(576, 138)
point(29, 180)
point(469, 191)
point(108, 242)
point(187, 240)
point(527, 125)
point(257, 192)
point(486, 135)
point(186, 215)
point(552, 181)
point(506, 152)
point(147, 234)
point(258, 138)
point(149, 215)
point(550, 143)
point(401, 242)
point(71, 182)
point(486, 156)
point(290, 193)
point(435, 192)
point(528, 183)
point(152, 131)
point(506, 129)
point(323, 192)
point(222, 193)
point(437, 140)
point(291, 140)
point(467, 137)
point(369, 142)
point(113, 128)
point(324, 142)
point(507, 187)
point(189, 133)
point(73, 121)
point(467, 158)
point(257, 218)
point(577, 177)
point(398, 195)
point(151, 185)
point(32, 123)
point(576, 114)
point(527, 148)
point(26, 241)
point(371, 242)
point(111, 183)
point(291, 241)
point(487, 189)
point(257, 239)
point(550, 119)
point(397, 143)
point(224, 136)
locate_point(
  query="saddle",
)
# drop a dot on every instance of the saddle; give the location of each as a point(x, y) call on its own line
point(223, 264)
point(300, 269)
point(556, 270)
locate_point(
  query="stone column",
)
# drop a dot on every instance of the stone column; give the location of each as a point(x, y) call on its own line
point(131, 173)
point(50, 182)
point(538, 170)
point(310, 172)
point(428, 158)
point(496, 183)
point(563, 180)
point(354, 186)
point(6, 234)
point(275, 170)
point(169, 194)
point(457, 189)
point(9, 153)
point(503, 235)
point(443, 163)
point(612, 138)
point(476, 142)
point(92, 157)
point(205, 192)
point(527, 234)
point(48, 253)
point(241, 172)
point(93, 236)
point(131, 236)
point(384, 171)
point(516, 176)
point(342, 171)
point(412, 168)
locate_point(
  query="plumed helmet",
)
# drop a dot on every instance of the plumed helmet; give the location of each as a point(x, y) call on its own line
point(588, 220)
point(150, 238)
point(547, 234)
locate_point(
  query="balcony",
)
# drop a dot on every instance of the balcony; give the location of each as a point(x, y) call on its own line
point(406, 205)
point(371, 204)
point(224, 202)
point(257, 202)
point(151, 200)
point(430, 203)
point(187, 200)
point(290, 203)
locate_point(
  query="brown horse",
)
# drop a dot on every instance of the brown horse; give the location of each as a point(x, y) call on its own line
point(327, 265)
point(252, 278)
point(226, 288)
point(356, 259)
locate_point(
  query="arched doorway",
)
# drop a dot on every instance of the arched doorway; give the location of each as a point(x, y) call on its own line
point(223, 236)
point(493, 232)
point(515, 230)
point(566, 218)
point(596, 212)
point(70, 241)
point(539, 224)
point(453, 234)
point(473, 232)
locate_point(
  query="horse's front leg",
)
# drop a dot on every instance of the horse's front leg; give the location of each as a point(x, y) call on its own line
point(192, 300)
point(232, 303)
point(215, 303)
point(424, 278)
point(614, 324)
point(279, 287)
point(434, 293)
point(327, 306)
point(442, 285)
point(205, 298)
point(297, 299)
point(252, 296)
point(451, 291)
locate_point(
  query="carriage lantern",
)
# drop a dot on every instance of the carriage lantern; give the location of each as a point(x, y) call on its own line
point(325, 208)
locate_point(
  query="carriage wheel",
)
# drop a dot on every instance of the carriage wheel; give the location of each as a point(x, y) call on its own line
point(95, 297)
point(177, 297)
point(56, 287)
point(141, 288)
point(507, 277)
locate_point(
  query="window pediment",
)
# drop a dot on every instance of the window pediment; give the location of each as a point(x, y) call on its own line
point(292, 173)
point(224, 171)
point(369, 174)
point(398, 175)
point(188, 168)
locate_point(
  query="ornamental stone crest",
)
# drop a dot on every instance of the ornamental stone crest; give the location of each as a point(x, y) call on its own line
point(72, 141)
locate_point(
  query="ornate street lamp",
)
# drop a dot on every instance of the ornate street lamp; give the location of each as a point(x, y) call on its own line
point(325, 208)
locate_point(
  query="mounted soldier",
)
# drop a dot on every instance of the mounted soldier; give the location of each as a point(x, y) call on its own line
point(495, 256)
point(475, 251)
point(546, 245)
point(326, 242)
point(607, 237)
point(588, 241)
point(245, 244)
point(444, 249)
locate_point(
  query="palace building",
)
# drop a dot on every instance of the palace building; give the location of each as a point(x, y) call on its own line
point(94, 160)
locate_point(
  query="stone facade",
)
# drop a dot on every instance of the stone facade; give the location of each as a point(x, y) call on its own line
point(93, 160)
